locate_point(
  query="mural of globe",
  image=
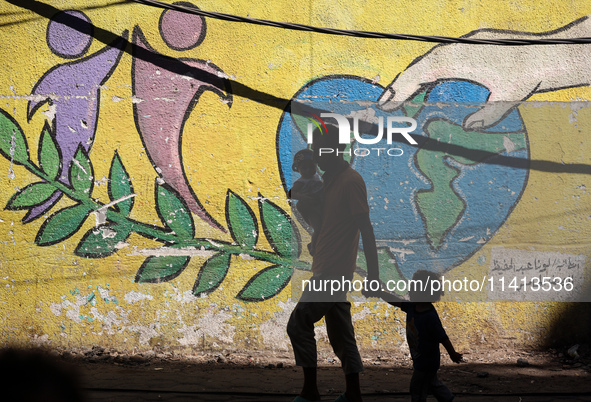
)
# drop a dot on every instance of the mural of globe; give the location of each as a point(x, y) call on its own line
point(440, 201)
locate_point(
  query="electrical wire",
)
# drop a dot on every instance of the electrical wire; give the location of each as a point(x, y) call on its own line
point(364, 34)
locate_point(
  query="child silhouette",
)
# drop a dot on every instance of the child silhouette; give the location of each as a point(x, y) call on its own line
point(424, 333)
point(307, 190)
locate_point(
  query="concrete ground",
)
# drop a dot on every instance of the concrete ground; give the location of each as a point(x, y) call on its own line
point(535, 378)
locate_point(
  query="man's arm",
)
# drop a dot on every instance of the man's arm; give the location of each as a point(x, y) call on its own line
point(371, 257)
point(369, 245)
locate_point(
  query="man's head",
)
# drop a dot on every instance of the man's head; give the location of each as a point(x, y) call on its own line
point(328, 152)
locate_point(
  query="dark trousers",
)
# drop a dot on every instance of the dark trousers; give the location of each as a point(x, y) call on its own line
point(424, 383)
point(339, 327)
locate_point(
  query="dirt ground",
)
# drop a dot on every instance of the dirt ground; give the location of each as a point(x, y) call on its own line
point(489, 375)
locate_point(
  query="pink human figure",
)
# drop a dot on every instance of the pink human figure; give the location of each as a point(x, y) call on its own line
point(167, 90)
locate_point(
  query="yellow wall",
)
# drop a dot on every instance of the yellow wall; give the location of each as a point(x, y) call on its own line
point(49, 294)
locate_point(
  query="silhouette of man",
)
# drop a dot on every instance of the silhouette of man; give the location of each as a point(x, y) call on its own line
point(345, 215)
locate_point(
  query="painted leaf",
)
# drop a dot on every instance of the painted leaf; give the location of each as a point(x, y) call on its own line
point(241, 221)
point(174, 212)
point(13, 143)
point(32, 195)
point(49, 157)
point(102, 241)
point(279, 229)
point(81, 174)
point(266, 284)
point(161, 268)
point(120, 185)
point(212, 273)
point(61, 225)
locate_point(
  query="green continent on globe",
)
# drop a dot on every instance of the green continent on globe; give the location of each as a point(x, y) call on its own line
point(441, 207)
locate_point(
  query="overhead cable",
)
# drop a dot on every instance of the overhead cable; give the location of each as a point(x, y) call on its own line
point(365, 34)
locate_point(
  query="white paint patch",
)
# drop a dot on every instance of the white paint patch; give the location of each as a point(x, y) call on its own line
point(121, 245)
point(211, 326)
point(72, 309)
point(56, 309)
point(107, 233)
point(367, 115)
point(402, 252)
point(214, 243)
point(360, 315)
point(50, 112)
point(273, 330)
point(40, 340)
point(77, 163)
point(134, 297)
point(146, 332)
point(508, 144)
point(183, 297)
point(101, 182)
point(169, 251)
point(101, 213)
point(384, 243)
point(103, 292)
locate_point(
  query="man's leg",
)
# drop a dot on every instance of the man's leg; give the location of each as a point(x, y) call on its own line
point(300, 329)
point(419, 385)
point(440, 391)
point(342, 338)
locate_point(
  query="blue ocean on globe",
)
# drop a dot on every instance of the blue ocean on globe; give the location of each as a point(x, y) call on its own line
point(440, 201)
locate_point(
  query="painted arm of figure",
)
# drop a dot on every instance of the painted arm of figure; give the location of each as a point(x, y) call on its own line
point(511, 73)
point(454, 356)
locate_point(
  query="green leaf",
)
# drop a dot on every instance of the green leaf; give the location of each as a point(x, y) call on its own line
point(212, 273)
point(81, 174)
point(266, 284)
point(241, 221)
point(61, 225)
point(32, 195)
point(174, 212)
point(102, 241)
point(161, 268)
point(49, 157)
point(13, 144)
point(279, 229)
point(120, 185)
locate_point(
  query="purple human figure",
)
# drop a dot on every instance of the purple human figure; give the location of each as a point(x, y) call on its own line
point(167, 90)
point(73, 89)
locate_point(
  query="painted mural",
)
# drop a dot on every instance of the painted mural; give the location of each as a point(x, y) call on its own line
point(167, 90)
point(149, 159)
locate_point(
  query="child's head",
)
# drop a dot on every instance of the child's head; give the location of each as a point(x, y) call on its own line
point(426, 287)
point(303, 163)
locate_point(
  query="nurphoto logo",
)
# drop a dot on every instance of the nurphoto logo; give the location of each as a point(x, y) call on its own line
point(345, 133)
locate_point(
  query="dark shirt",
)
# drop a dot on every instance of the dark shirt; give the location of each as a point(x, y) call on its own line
point(344, 197)
point(424, 333)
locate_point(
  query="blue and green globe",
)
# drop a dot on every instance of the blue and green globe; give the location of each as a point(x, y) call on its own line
point(440, 201)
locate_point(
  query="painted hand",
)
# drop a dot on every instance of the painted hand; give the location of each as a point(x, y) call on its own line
point(511, 73)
